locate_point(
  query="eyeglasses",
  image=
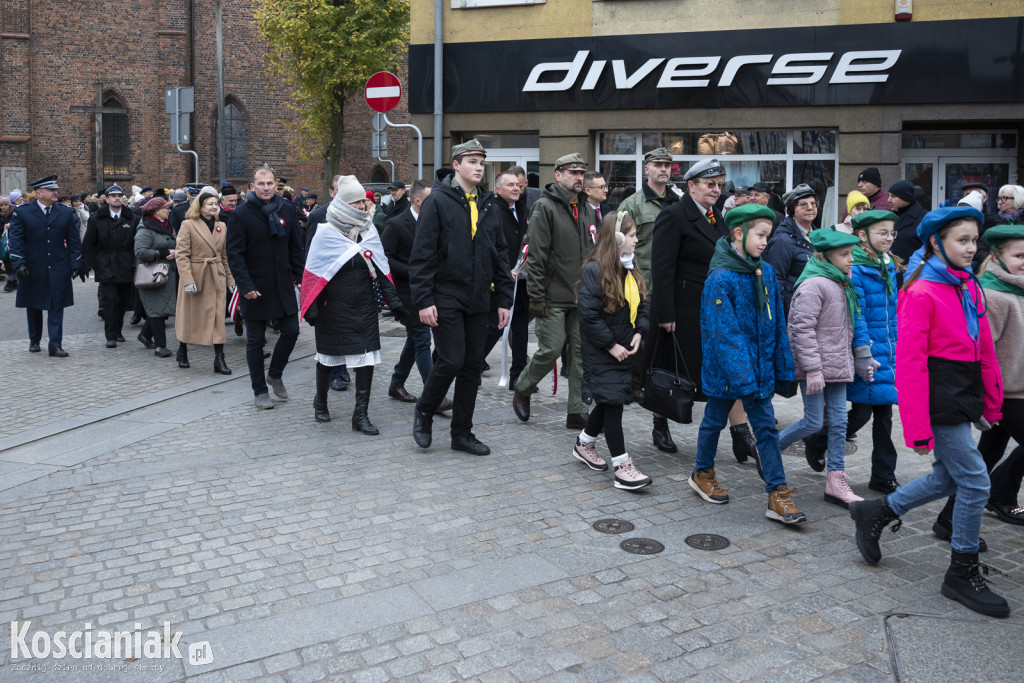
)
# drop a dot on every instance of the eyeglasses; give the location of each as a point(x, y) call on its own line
point(711, 184)
point(599, 187)
point(1002, 198)
point(884, 234)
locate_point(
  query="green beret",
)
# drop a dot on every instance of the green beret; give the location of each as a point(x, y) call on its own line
point(571, 162)
point(862, 220)
point(469, 147)
point(823, 240)
point(747, 212)
point(998, 234)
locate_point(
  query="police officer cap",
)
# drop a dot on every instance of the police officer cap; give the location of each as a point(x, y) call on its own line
point(571, 162)
point(797, 193)
point(998, 234)
point(114, 189)
point(823, 240)
point(47, 183)
point(746, 213)
point(469, 147)
point(933, 221)
point(865, 218)
point(660, 154)
point(709, 168)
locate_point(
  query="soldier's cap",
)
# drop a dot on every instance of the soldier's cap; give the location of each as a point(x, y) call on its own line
point(797, 193)
point(823, 240)
point(709, 168)
point(742, 190)
point(469, 147)
point(47, 183)
point(571, 162)
point(113, 189)
point(660, 154)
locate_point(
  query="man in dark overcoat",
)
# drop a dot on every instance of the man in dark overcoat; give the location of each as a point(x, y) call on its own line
point(108, 250)
point(266, 257)
point(46, 253)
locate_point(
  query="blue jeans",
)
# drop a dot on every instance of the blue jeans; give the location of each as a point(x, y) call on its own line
point(761, 417)
point(958, 469)
point(416, 349)
point(256, 334)
point(833, 401)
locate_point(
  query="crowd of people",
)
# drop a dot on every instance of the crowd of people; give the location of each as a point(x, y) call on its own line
point(891, 306)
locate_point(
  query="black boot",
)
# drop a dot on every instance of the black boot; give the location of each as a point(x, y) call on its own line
point(422, 428)
point(814, 450)
point(360, 422)
point(965, 584)
point(871, 518)
point(219, 366)
point(183, 356)
point(662, 439)
point(943, 527)
point(323, 381)
point(744, 444)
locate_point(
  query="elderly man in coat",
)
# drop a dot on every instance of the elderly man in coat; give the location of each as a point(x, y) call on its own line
point(46, 254)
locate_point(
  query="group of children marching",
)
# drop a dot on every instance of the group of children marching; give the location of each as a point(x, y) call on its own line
point(853, 335)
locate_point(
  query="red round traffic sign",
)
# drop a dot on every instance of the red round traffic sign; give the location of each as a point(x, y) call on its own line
point(383, 91)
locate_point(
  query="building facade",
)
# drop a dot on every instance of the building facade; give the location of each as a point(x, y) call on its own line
point(782, 93)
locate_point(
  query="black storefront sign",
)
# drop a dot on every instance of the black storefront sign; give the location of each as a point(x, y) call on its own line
point(979, 60)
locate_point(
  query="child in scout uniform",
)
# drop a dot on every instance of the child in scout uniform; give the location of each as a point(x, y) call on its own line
point(745, 354)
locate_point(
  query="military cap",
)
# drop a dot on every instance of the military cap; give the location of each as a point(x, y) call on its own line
point(862, 220)
point(571, 162)
point(709, 168)
point(47, 183)
point(469, 147)
point(660, 154)
point(746, 213)
point(113, 189)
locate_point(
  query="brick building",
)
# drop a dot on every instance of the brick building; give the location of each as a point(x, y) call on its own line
point(60, 61)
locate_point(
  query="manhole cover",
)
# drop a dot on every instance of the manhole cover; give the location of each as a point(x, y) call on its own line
point(612, 526)
point(707, 541)
point(641, 546)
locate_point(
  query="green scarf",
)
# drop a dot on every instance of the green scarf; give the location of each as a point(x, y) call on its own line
point(817, 267)
point(990, 280)
point(862, 258)
point(727, 258)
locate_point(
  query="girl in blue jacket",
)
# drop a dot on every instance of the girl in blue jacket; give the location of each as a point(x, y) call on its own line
point(874, 279)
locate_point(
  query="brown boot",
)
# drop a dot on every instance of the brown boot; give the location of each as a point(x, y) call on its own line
point(521, 405)
point(781, 507)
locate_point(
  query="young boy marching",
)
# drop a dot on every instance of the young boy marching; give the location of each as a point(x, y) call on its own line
point(746, 352)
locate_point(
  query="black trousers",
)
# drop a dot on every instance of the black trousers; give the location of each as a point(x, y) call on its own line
point(608, 419)
point(115, 298)
point(256, 335)
point(883, 452)
point(1006, 478)
point(156, 329)
point(459, 340)
point(54, 325)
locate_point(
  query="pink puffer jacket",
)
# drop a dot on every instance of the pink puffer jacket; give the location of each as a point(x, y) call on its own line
point(820, 331)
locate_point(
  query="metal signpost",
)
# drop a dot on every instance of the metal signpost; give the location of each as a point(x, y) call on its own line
point(180, 102)
point(383, 91)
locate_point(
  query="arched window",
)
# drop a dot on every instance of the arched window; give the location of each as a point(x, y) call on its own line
point(379, 175)
point(234, 139)
point(116, 151)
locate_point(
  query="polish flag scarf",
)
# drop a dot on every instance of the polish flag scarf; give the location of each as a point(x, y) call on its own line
point(329, 251)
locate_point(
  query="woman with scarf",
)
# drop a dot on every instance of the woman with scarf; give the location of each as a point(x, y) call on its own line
point(1003, 280)
point(345, 260)
point(947, 377)
point(204, 277)
point(822, 315)
point(155, 241)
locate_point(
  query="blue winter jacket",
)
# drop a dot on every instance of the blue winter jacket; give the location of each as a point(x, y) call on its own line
point(745, 352)
point(876, 327)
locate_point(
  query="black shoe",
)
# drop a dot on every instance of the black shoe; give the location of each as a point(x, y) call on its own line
point(148, 343)
point(576, 421)
point(743, 442)
point(162, 353)
point(399, 393)
point(136, 319)
point(120, 337)
point(871, 518)
point(58, 352)
point(662, 438)
point(965, 584)
point(239, 327)
point(422, 425)
point(1011, 514)
point(33, 347)
point(183, 357)
point(815, 457)
point(469, 444)
point(220, 367)
point(444, 406)
point(345, 377)
point(111, 344)
point(885, 487)
point(943, 530)
point(338, 384)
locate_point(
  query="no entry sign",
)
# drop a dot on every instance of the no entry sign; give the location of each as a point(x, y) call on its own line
point(383, 91)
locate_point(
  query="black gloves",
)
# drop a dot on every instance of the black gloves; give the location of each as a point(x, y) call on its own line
point(21, 272)
point(79, 273)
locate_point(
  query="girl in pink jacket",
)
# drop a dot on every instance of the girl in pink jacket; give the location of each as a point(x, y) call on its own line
point(946, 378)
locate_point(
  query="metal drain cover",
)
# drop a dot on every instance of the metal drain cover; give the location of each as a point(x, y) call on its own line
point(707, 541)
point(613, 526)
point(641, 546)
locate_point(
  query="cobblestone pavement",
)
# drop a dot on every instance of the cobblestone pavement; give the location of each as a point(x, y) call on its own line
point(135, 492)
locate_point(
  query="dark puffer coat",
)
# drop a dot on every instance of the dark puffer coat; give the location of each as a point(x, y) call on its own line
point(605, 379)
point(787, 252)
point(108, 249)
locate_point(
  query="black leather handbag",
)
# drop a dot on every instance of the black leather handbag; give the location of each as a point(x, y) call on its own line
point(667, 392)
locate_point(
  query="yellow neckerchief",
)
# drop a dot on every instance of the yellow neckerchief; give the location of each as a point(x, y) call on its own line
point(471, 198)
point(632, 293)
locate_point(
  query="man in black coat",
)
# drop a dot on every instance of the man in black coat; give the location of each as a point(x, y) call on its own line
point(266, 259)
point(108, 250)
point(46, 255)
point(458, 253)
point(904, 205)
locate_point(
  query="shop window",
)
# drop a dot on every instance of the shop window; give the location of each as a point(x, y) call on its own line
point(116, 148)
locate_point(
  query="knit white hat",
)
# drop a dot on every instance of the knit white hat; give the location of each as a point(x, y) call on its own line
point(349, 190)
point(973, 199)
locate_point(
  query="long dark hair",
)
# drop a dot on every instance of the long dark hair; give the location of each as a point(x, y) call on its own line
point(606, 254)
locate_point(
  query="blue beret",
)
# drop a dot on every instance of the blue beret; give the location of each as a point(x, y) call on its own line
point(933, 221)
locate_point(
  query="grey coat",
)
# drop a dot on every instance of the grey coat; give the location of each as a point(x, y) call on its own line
point(819, 330)
point(153, 242)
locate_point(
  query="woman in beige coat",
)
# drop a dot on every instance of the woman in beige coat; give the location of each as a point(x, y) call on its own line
point(203, 279)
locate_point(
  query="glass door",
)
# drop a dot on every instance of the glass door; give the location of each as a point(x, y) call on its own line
point(922, 173)
point(956, 172)
point(499, 160)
